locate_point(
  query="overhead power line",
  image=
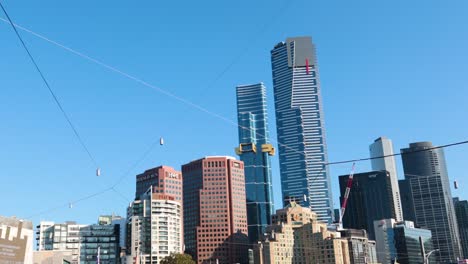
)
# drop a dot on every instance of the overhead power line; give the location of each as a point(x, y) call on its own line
point(54, 96)
point(397, 154)
point(153, 87)
point(112, 188)
point(169, 94)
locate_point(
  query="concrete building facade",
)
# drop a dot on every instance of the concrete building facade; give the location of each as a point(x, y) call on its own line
point(297, 236)
point(361, 249)
point(16, 241)
point(59, 236)
point(215, 222)
point(154, 228)
point(83, 242)
point(384, 147)
point(163, 179)
point(155, 218)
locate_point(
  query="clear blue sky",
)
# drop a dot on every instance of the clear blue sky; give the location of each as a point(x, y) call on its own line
point(393, 68)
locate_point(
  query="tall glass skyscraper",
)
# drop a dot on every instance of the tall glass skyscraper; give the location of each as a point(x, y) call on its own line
point(300, 126)
point(255, 150)
point(429, 196)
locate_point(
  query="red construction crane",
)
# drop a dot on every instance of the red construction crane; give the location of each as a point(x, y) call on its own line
point(346, 195)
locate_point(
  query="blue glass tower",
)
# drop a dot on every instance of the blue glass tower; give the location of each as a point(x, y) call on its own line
point(300, 127)
point(254, 150)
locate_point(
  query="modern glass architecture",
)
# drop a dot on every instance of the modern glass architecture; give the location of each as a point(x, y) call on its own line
point(461, 210)
point(83, 244)
point(300, 126)
point(430, 198)
point(384, 147)
point(370, 199)
point(99, 244)
point(399, 242)
point(255, 151)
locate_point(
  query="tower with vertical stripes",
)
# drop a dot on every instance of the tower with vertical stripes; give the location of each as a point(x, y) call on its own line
point(255, 150)
point(300, 126)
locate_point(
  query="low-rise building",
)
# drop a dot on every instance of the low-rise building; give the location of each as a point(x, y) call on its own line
point(86, 243)
point(52, 257)
point(361, 249)
point(296, 236)
point(55, 236)
point(16, 241)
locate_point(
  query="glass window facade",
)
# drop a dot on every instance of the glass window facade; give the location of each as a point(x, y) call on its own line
point(430, 198)
point(300, 127)
point(253, 135)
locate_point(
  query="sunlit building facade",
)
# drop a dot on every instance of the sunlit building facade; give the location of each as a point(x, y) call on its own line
point(300, 127)
point(296, 236)
point(255, 150)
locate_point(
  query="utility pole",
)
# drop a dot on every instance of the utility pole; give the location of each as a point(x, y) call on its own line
point(423, 252)
point(99, 255)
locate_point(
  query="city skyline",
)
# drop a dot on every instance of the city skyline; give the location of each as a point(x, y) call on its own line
point(63, 156)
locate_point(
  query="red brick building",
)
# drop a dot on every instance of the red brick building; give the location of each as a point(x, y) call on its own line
point(215, 216)
point(164, 179)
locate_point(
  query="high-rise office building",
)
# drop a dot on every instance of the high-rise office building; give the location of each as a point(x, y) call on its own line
point(427, 181)
point(215, 216)
point(155, 218)
point(384, 147)
point(300, 126)
point(461, 210)
point(255, 151)
point(398, 242)
point(370, 199)
point(296, 236)
point(154, 228)
point(164, 179)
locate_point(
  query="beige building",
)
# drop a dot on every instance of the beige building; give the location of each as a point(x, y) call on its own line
point(16, 241)
point(52, 256)
point(296, 236)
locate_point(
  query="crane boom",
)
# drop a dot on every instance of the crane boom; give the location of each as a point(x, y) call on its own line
point(346, 194)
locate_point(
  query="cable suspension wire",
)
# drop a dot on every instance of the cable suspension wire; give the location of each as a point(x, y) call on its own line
point(112, 188)
point(251, 41)
point(156, 88)
point(397, 154)
point(169, 94)
point(54, 96)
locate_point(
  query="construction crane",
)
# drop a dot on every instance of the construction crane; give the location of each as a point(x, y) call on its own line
point(345, 197)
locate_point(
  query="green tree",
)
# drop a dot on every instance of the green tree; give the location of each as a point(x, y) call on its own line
point(178, 259)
